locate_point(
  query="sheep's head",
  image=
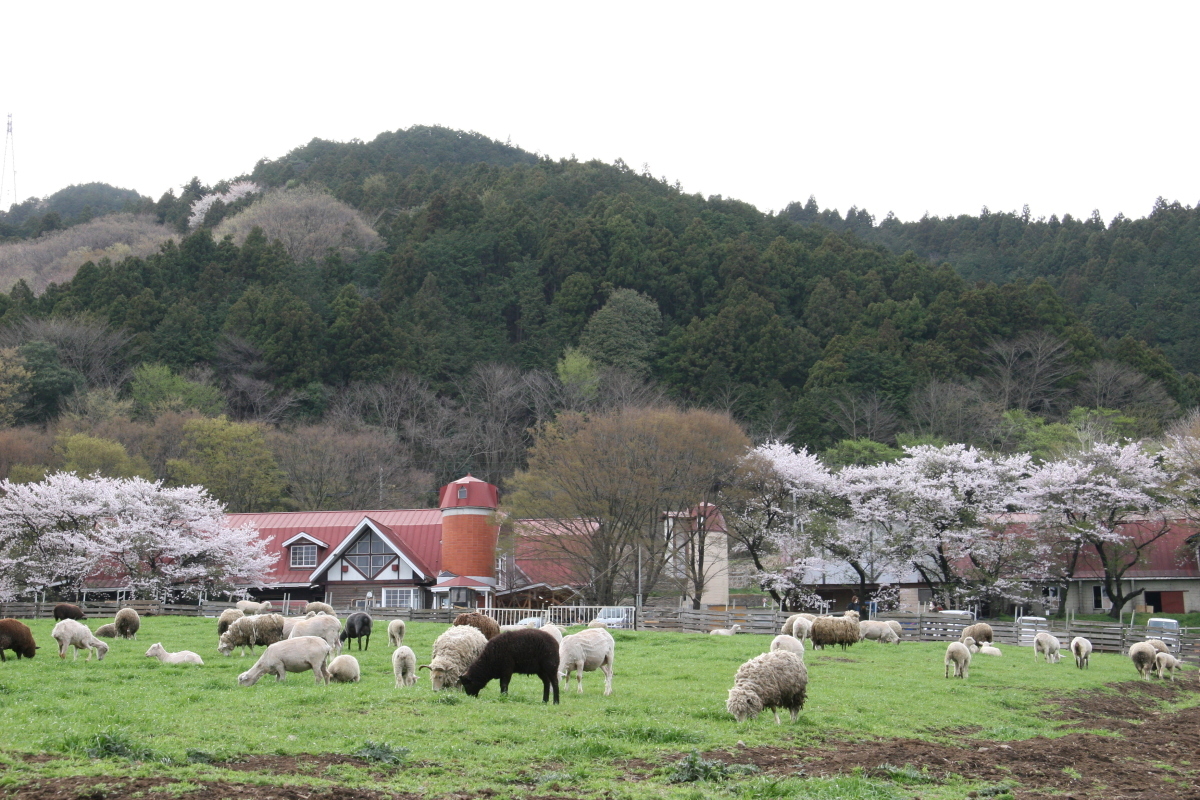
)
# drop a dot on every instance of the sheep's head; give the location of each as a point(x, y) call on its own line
point(245, 679)
point(472, 685)
point(101, 650)
point(155, 650)
point(437, 676)
point(225, 646)
point(743, 703)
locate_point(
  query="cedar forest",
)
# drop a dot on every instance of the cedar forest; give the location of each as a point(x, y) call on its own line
point(470, 291)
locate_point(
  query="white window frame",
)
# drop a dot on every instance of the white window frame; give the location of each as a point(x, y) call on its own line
point(390, 596)
point(296, 550)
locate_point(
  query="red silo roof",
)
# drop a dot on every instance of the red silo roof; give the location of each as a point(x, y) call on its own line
point(469, 492)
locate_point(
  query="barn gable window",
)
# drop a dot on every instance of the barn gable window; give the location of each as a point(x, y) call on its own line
point(370, 554)
point(303, 555)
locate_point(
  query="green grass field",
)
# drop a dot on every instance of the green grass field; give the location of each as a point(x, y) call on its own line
point(146, 718)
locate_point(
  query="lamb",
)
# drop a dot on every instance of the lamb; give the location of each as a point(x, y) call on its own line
point(453, 652)
point(486, 625)
point(773, 680)
point(878, 631)
point(801, 627)
point(1165, 662)
point(182, 657)
point(322, 625)
point(248, 607)
point(16, 636)
point(290, 655)
point(127, 622)
point(527, 652)
point(227, 617)
point(358, 625)
point(726, 631)
point(585, 651)
point(68, 611)
point(835, 630)
point(958, 655)
point(896, 626)
point(790, 643)
point(1048, 644)
point(108, 631)
point(1143, 656)
point(250, 631)
point(404, 666)
point(319, 608)
point(789, 626)
point(69, 633)
point(1082, 649)
point(981, 632)
point(344, 669)
point(396, 632)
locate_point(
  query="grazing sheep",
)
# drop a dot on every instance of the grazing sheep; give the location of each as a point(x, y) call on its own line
point(319, 608)
point(404, 666)
point(1165, 662)
point(182, 657)
point(789, 627)
point(586, 651)
point(835, 630)
point(554, 631)
point(1048, 644)
point(801, 628)
point(250, 631)
point(486, 625)
point(322, 625)
point(958, 655)
point(878, 631)
point(248, 607)
point(107, 631)
point(981, 632)
point(1082, 649)
point(68, 611)
point(396, 632)
point(227, 617)
point(896, 626)
point(1143, 656)
point(344, 669)
point(69, 633)
point(726, 631)
point(358, 626)
point(773, 680)
point(453, 652)
point(596, 623)
point(790, 643)
point(16, 636)
point(527, 652)
point(127, 622)
point(1159, 645)
point(290, 655)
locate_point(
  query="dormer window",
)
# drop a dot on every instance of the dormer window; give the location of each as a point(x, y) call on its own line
point(462, 493)
point(303, 555)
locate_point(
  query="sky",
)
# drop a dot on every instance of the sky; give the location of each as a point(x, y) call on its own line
point(913, 108)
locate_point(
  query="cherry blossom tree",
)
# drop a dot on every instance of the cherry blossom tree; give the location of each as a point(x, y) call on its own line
point(1110, 499)
point(158, 541)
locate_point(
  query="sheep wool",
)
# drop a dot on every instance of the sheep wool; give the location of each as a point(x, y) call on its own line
point(322, 625)
point(981, 632)
point(1047, 644)
point(290, 655)
point(790, 643)
point(453, 652)
point(108, 631)
point(773, 680)
point(1143, 656)
point(404, 666)
point(16, 636)
point(828, 631)
point(554, 631)
point(959, 656)
point(227, 617)
point(1165, 662)
point(247, 632)
point(1081, 648)
point(396, 632)
point(344, 669)
point(523, 652)
point(586, 651)
point(69, 633)
point(127, 622)
point(1159, 645)
point(319, 608)
point(486, 625)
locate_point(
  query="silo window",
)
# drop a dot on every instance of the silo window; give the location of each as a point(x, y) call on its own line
point(462, 493)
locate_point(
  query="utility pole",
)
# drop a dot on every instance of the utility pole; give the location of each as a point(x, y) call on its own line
point(9, 145)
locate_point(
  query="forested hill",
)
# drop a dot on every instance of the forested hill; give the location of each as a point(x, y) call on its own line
point(446, 251)
point(1138, 277)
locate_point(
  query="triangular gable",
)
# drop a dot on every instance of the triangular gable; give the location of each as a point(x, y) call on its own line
point(389, 538)
point(306, 537)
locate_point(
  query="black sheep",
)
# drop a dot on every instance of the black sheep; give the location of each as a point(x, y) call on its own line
point(68, 611)
point(16, 636)
point(524, 652)
point(358, 625)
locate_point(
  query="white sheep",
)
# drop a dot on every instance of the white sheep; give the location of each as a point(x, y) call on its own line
point(344, 669)
point(404, 666)
point(980, 649)
point(1143, 656)
point(789, 626)
point(554, 631)
point(878, 631)
point(248, 607)
point(786, 642)
point(1081, 648)
point(290, 655)
point(586, 651)
point(318, 608)
point(453, 653)
point(396, 632)
point(226, 619)
point(726, 631)
point(1048, 644)
point(896, 626)
point(959, 655)
point(1159, 645)
point(246, 632)
point(181, 657)
point(322, 625)
point(1165, 662)
point(801, 628)
point(773, 680)
point(70, 633)
point(108, 631)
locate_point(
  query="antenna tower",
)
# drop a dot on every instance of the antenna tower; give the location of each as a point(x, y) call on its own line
point(9, 145)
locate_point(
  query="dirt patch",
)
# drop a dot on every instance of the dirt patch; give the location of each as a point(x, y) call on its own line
point(120, 789)
point(291, 765)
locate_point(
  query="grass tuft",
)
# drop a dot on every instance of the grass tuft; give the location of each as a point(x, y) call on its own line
point(381, 753)
point(111, 743)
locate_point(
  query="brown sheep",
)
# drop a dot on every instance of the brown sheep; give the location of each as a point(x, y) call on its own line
point(16, 636)
point(68, 611)
point(486, 625)
point(981, 632)
point(835, 630)
point(127, 622)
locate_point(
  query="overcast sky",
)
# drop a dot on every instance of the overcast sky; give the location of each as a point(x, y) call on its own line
point(915, 108)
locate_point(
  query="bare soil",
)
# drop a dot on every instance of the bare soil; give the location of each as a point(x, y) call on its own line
point(1154, 756)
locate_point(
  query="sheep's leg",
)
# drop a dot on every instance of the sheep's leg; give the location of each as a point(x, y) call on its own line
point(505, 678)
point(608, 672)
point(318, 668)
point(578, 678)
point(775, 711)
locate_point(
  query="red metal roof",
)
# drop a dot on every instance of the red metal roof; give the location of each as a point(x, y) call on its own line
point(415, 532)
point(479, 494)
point(541, 553)
point(1168, 557)
point(460, 580)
